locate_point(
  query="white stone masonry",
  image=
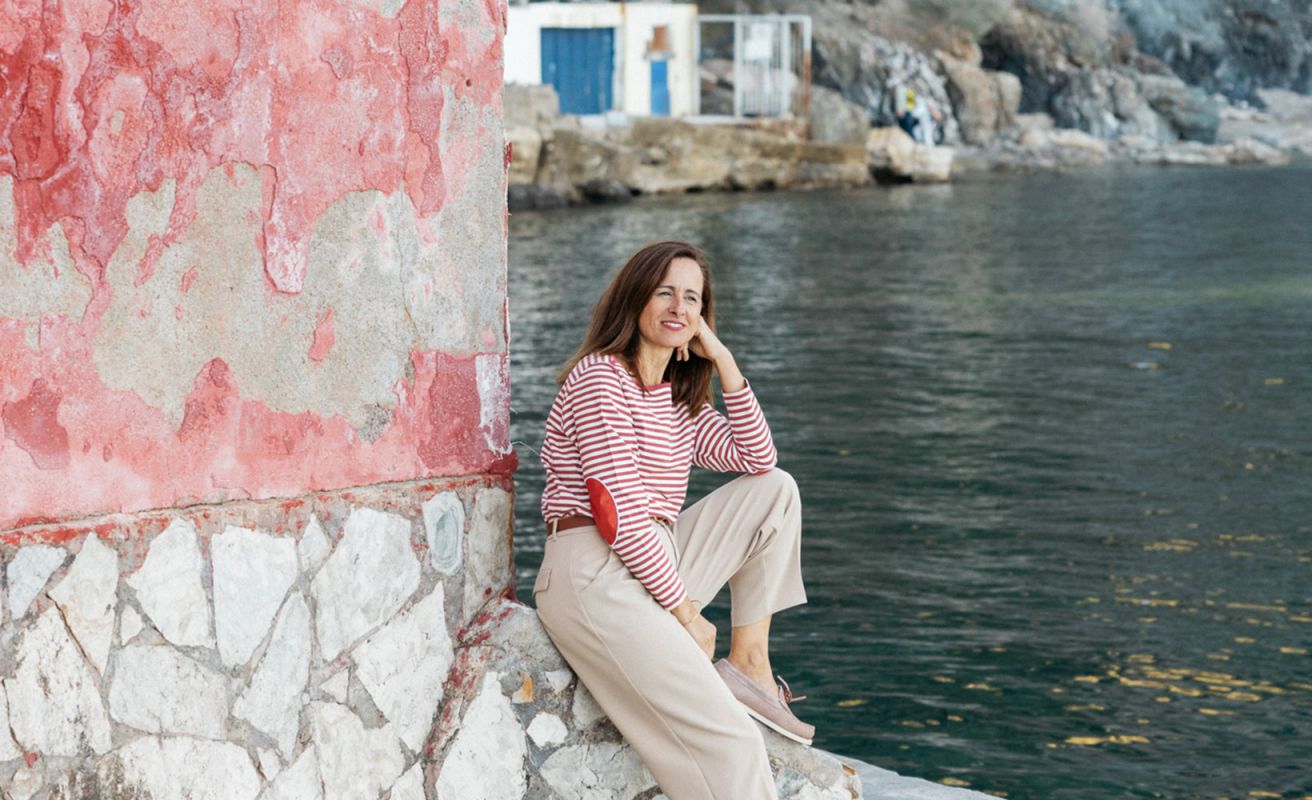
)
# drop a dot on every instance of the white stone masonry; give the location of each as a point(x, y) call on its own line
point(366, 579)
point(170, 589)
point(28, 573)
point(354, 762)
point(596, 772)
point(487, 760)
point(272, 702)
point(252, 572)
point(178, 767)
point(159, 690)
point(55, 708)
point(404, 666)
point(87, 596)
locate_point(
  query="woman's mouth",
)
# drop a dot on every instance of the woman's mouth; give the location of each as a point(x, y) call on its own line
point(673, 326)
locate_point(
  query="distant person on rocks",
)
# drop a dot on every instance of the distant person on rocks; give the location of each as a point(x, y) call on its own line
point(905, 111)
point(627, 570)
point(916, 116)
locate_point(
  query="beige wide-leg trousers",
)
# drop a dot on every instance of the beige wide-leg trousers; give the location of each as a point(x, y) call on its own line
point(645, 670)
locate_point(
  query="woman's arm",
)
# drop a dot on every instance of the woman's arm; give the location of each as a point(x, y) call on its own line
point(741, 442)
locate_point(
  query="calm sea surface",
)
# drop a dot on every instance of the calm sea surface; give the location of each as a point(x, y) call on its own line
point(1054, 439)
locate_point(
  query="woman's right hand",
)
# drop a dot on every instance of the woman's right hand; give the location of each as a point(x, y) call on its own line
point(703, 633)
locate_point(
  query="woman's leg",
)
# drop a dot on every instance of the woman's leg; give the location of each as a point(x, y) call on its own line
point(749, 651)
point(747, 533)
point(648, 675)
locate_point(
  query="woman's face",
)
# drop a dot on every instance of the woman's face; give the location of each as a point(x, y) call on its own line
point(670, 317)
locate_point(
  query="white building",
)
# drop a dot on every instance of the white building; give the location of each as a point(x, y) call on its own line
point(639, 58)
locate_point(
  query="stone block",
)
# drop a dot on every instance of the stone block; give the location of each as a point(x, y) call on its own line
point(159, 690)
point(404, 668)
point(179, 767)
point(600, 771)
point(486, 759)
point(252, 573)
point(169, 586)
point(546, 729)
point(28, 572)
point(487, 550)
point(272, 700)
point(353, 761)
point(444, 529)
point(584, 711)
point(55, 707)
point(365, 581)
point(86, 597)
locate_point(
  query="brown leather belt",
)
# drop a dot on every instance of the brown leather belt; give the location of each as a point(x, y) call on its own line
point(565, 523)
point(578, 521)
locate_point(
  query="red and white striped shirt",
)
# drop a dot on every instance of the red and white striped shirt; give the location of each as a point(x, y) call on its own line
point(622, 456)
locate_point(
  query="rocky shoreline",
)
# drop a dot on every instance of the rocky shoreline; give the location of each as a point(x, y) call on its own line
point(1027, 89)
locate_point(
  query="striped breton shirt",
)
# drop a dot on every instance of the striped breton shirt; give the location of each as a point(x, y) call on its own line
point(622, 456)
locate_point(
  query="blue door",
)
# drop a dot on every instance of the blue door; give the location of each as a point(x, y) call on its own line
point(660, 88)
point(580, 63)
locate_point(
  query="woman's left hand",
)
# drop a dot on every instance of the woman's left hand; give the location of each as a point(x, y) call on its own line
point(704, 344)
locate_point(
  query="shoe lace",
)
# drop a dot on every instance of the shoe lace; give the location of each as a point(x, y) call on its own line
point(788, 693)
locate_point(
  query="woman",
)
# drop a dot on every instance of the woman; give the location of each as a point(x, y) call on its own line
point(626, 573)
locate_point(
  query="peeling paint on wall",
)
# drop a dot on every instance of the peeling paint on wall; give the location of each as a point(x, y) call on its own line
point(248, 250)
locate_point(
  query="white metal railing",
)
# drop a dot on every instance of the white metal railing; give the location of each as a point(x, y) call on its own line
point(771, 63)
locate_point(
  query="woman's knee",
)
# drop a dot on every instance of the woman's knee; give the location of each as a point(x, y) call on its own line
point(782, 482)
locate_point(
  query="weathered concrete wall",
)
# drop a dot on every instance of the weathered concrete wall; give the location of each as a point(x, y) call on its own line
point(255, 461)
point(247, 250)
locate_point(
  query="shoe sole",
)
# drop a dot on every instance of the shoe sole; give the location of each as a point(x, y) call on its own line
point(774, 726)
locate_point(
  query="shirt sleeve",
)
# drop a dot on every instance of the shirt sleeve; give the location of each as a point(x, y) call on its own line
point(603, 430)
point(740, 442)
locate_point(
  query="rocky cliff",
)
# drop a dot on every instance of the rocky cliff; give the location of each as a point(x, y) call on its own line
point(1166, 70)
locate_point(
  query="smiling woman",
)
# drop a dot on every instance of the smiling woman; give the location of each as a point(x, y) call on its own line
point(626, 571)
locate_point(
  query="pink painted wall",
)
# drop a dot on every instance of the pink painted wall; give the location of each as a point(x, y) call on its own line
point(247, 250)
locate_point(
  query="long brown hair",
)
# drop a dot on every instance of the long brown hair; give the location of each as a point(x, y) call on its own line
point(614, 329)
